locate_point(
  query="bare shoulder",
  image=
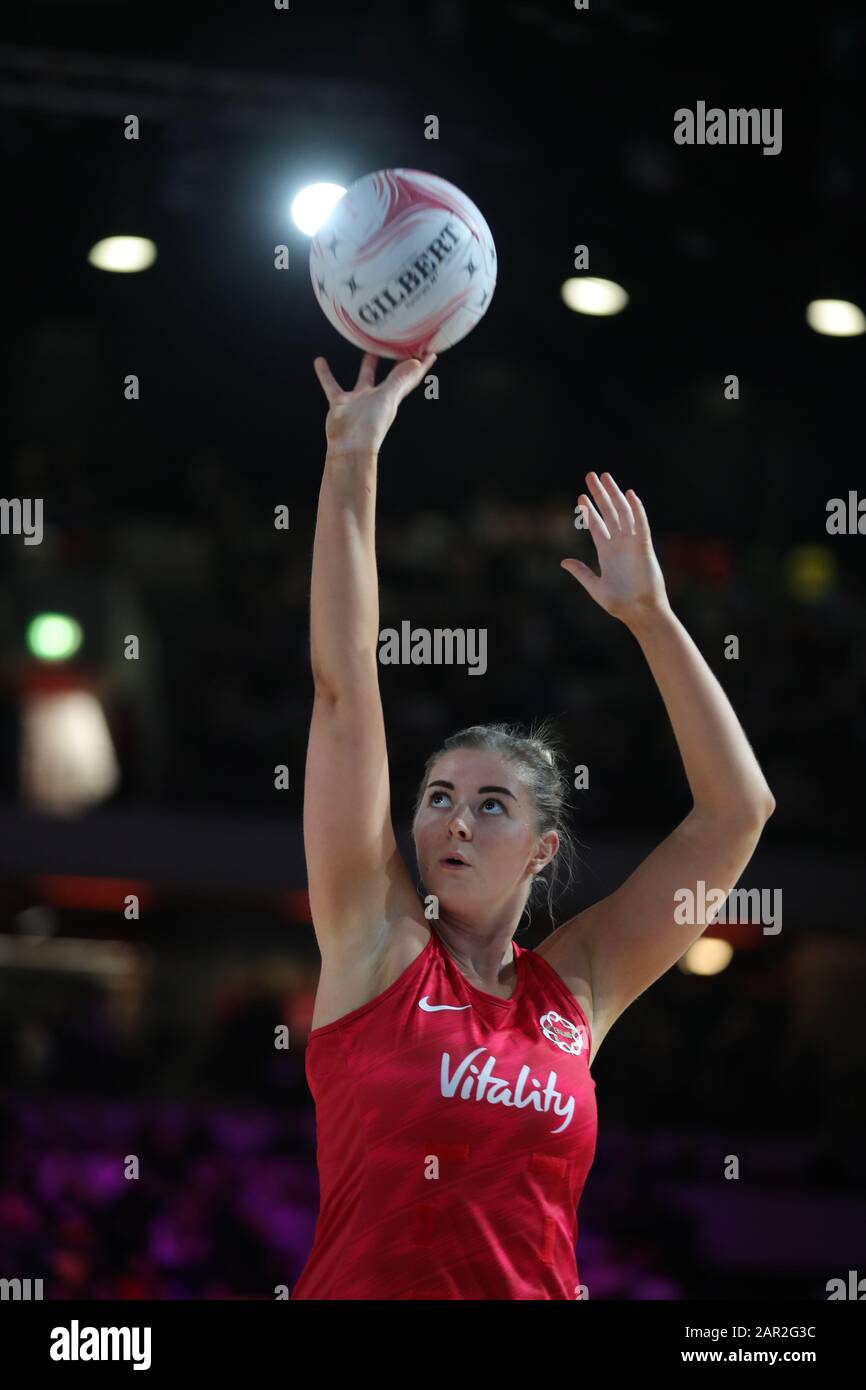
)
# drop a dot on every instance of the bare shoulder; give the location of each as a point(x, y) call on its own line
point(405, 941)
point(569, 958)
point(349, 979)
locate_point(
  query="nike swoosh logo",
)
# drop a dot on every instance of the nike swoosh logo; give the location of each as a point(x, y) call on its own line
point(435, 1008)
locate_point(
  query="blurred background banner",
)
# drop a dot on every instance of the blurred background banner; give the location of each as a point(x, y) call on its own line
point(158, 964)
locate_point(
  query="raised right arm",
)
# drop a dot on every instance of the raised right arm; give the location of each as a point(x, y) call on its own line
point(356, 876)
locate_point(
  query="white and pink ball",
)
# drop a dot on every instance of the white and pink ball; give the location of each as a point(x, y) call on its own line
point(404, 265)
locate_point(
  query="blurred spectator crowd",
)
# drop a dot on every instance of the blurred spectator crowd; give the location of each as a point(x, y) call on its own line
point(177, 1200)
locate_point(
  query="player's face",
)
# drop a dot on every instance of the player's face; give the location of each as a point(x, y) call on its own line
point(475, 805)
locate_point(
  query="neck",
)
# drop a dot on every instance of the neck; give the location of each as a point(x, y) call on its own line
point(489, 961)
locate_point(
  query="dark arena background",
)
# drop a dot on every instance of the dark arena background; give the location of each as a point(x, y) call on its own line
point(154, 920)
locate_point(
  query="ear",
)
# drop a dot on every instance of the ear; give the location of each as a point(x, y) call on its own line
point(548, 846)
point(552, 843)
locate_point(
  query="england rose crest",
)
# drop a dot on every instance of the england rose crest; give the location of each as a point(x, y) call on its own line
point(568, 1037)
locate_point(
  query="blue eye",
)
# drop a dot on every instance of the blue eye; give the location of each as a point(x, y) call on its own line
point(494, 800)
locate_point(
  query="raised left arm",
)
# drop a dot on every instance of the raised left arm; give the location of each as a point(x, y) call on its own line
point(722, 771)
point(626, 941)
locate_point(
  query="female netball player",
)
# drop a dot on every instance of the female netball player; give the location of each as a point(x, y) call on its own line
point(450, 1067)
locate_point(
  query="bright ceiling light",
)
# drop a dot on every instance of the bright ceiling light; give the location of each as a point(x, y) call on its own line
point(122, 253)
point(835, 317)
point(709, 955)
point(53, 636)
point(586, 294)
point(314, 205)
point(67, 760)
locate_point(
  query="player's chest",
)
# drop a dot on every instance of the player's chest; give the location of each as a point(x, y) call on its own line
point(463, 1074)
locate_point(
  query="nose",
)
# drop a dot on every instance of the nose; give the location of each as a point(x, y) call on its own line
point(457, 826)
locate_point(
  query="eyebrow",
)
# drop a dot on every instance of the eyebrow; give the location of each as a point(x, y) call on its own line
point(450, 785)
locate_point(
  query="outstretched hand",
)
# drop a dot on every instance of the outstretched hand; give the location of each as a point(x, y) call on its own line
point(358, 420)
point(631, 584)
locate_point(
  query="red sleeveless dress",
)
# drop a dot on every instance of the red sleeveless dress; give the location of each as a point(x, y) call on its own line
point(455, 1132)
